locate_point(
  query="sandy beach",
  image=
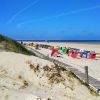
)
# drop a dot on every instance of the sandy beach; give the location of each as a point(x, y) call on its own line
point(80, 45)
point(79, 64)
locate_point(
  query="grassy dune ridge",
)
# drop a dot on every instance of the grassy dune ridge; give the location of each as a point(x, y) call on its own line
point(8, 44)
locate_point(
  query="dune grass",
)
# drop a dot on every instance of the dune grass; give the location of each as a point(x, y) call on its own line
point(8, 44)
point(92, 91)
point(57, 77)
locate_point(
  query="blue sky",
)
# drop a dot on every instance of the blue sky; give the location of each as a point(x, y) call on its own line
point(50, 19)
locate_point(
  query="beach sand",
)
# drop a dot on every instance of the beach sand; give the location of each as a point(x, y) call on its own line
point(93, 65)
point(28, 78)
point(80, 45)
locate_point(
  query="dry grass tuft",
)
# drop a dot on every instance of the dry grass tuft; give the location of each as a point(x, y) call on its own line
point(25, 83)
point(20, 77)
point(53, 74)
point(55, 78)
point(37, 67)
point(32, 66)
point(70, 74)
point(46, 68)
point(60, 68)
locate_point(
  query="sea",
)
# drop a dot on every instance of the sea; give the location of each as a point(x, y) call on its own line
point(74, 41)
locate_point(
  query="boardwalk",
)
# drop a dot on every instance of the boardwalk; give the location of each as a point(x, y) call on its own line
point(94, 83)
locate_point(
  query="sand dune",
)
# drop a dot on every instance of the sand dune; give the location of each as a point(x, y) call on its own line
point(28, 78)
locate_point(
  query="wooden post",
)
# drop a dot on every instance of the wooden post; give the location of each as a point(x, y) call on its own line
point(86, 74)
point(49, 99)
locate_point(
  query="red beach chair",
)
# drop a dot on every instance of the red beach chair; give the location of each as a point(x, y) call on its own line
point(74, 54)
point(70, 52)
point(92, 55)
point(54, 52)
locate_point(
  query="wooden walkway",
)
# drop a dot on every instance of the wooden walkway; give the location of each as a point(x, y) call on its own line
point(94, 83)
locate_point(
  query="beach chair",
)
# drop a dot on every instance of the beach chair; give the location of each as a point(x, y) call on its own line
point(85, 54)
point(79, 54)
point(70, 52)
point(74, 54)
point(37, 46)
point(54, 52)
point(65, 50)
point(97, 55)
point(92, 55)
